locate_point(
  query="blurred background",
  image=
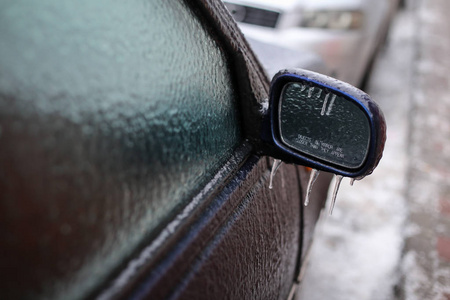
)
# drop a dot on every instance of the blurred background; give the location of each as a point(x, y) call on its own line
point(389, 235)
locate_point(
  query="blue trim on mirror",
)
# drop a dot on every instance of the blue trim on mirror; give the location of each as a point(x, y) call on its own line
point(280, 150)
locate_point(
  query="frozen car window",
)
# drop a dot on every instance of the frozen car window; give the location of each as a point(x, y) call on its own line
point(136, 98)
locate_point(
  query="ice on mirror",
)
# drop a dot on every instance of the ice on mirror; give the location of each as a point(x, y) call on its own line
point(325, 102)
point(310, 91)
point(312, 179)
point(335, 192)
point(324, 125)
point(302, 87)
point(326, 111)
point(330, 107)
point(319, 94)
point(276, 164)
point(352, 181)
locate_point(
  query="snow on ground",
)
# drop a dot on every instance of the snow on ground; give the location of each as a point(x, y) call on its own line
point(357, 250)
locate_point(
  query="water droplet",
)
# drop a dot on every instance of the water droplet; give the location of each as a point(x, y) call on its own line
point(312, 179)
point(330, 107)
point(352, 181)
point(324, 107)
point(276, 164)
point(336, 190)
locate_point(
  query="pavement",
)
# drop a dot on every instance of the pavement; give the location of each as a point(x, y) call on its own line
point(389, 236)
point(425, 264)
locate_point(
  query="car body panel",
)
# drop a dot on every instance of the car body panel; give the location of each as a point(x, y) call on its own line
point(233, 246)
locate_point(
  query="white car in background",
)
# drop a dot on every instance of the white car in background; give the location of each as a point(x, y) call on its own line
point(346, 34)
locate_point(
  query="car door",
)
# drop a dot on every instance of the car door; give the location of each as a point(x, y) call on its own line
point(126, 164)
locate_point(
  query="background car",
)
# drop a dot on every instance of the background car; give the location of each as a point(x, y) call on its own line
point(346, 33)
point(274, 58)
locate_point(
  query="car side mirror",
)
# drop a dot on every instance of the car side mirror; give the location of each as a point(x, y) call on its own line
point(323, 123)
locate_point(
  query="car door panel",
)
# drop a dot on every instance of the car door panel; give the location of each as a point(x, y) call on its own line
point(254, 255)
point(244, 244)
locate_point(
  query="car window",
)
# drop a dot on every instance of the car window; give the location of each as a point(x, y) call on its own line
point(134, 97)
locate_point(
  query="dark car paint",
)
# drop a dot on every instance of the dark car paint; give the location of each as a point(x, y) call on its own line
point(236, 240)
point(216, 258)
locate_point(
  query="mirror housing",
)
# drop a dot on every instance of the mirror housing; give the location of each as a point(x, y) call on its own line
point(323, 123)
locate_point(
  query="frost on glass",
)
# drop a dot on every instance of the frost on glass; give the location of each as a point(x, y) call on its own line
point(323, 125)
point(135, 98)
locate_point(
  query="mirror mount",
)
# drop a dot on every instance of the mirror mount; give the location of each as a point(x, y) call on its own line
point(323, 123)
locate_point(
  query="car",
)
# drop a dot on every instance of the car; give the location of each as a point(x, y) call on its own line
point(137, 140)
point(347, 34)
point(274, 58)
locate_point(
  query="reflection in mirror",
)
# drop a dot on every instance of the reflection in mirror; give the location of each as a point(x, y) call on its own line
point(323, 124)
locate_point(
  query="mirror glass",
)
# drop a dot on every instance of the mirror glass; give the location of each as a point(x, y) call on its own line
point(323, 124)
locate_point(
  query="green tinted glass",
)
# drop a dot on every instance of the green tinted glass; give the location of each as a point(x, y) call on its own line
point(147, 98)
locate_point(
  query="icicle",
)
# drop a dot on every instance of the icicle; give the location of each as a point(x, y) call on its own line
point(336, 190)
point(312, 179)
point(276, 164)
point(352, 181)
